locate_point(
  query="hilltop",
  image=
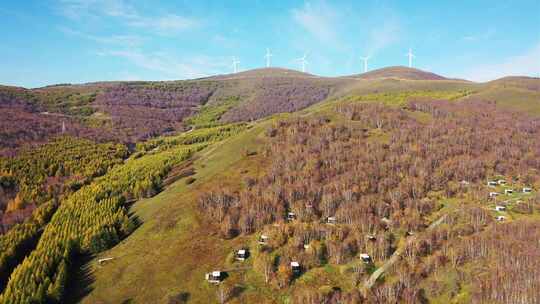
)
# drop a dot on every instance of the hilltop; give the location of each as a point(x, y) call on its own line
point(400, 72)
point(264, 72)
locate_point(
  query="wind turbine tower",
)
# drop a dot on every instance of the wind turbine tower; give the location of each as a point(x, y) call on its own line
point(304, 62)
point(268, 56)
point(63, 127)
point(365, 59)
point(411, 56)
point(235, 63)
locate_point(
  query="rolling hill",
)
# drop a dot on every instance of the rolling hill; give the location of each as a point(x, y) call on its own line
point(128, 112)
point(391, 165)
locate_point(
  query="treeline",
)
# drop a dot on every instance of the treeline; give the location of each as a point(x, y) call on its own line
point(376, 179)
point(404, 98)
point(211, 134)
point(209, 115)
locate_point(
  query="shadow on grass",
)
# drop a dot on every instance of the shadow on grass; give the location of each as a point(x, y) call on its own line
point(80, 284)
point(135, 219)
point(180, 298)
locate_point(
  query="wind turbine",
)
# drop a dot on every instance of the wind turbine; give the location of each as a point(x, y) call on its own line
point(268, 56)
point(411, 56)
point(235, 63)
point(365, 59)
point(304, 62)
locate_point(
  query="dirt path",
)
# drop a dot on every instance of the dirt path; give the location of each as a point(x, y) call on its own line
point(395, 257)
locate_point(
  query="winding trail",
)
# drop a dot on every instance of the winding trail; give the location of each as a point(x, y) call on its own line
point(368, 284)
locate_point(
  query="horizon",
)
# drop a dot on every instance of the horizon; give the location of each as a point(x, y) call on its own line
point(117, 40)
point(268, 68)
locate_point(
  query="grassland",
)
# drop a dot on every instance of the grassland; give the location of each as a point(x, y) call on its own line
point(172, 250)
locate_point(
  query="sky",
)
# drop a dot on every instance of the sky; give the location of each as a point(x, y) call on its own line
point(76, 41)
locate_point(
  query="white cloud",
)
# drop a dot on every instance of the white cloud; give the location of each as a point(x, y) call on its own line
point(384, 35)
point(319, 19)
point(525, 64)
point(123, 40)
point(77, 9)
point(164, 25)
point(169, 66)
point(127, 14)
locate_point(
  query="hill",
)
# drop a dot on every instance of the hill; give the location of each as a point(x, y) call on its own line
point(391, 168)
point(527, 83)
point(128, 112)
point(400, 72)
point(264, 72)
point(132, 111)
point(247, 185)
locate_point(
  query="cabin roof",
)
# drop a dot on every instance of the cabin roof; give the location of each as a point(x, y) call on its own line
point(216, 273)
point(242, 251)
point(295, 264)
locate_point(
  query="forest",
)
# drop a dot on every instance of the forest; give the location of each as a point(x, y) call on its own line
point(386, 179)
point(38, 175)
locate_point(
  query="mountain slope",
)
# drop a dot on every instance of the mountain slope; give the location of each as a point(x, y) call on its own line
point(189, 239)
point(131, 111)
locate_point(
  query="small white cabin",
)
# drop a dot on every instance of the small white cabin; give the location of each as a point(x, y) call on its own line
point(365, 258)
point(242, 255)
point(295, 267)
point(501, 218)
point(331, 220)
point(307, 246)
point(371, 237)
point(214, 277)
point(500, 208)
point(527, 190)
point(291, 216)
point(263, 239)
point(501, 182)
point(508, 191)
point(493, 194)
point(465, 183)
point(492, 184)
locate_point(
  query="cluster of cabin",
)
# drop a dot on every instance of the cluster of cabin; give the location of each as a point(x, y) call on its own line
point(217, 276)
point(507, 191)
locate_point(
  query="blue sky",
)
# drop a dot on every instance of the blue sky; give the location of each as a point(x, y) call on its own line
point(58, 41)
